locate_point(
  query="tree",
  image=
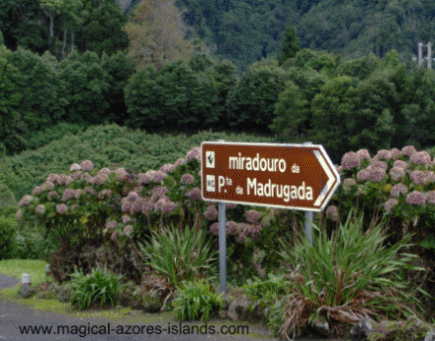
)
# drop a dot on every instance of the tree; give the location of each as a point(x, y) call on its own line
point(333, 112)
point(290, 46)
point(156, 34)
point(84, 83)
point(118, 70)
point(251, 103)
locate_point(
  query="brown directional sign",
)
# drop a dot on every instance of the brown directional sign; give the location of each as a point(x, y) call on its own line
point(291, 176)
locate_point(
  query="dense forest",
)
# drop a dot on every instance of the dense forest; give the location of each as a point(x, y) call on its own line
point(173, 67)
point(242, 31)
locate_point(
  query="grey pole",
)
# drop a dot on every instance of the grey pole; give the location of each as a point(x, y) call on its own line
point(222, 249)
point(420, 54)
point(222, 246)
point(429, 55)
point(308, 215)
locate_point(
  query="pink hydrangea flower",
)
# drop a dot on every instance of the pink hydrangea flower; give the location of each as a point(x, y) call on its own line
point(128, 229)
point(187, 179)
point(416, 198)
point(123, 177)
point(253, 216)
point(195, 194)
point(144, 178)
point(377, 174)
point(126, 206)
point(87, 165)
point(398, 189)
point(62, 208)
point(211, 213)
point(430, 197)
point(51, 194)
point(18, 215)
point(232, 228)
point(104, 193)
point(168, 207)
point(132, 196)
point(159, 191)
point(77, 175)
point(111, 225)
point(25, 200)
point(120, 171)
point(418, 177)
point(180, 162)
point(99, 179)
point(254, 230)
point(332, 213)
point(114, 236)
point(40, 209)
point(401, 164)
point(363, 154)
point(52, 178)
point(383, 154)
point(126, 219)
point(397, 173)
point(138, 204)
point(48, 186)
point(104, 171)
point(78, 193)
point(362, 175)
point(75, 166)
point(194, 153)
point(350, 160)
point(229, 206)
point(147, 207)
point(421, 158)
point(38, 190)
point(159, 176)
point(90, 190)
point(61, 180)
point(430, 177)
point(241, 238)
point(379, 164)
point(167, 168)
point(394, 152)
point(87, 177)
point(68, 194)
point(214, 229)
point(408, 150)
point(349, 182)
point(390, 203)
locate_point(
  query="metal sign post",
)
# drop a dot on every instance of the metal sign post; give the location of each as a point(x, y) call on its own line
point(222, 248)
point(289, 176)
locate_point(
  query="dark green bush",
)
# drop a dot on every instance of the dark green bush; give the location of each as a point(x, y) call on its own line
point(8, 230)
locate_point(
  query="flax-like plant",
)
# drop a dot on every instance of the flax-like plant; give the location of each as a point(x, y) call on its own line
point(99, 286)
point(196, 300)
point(178, 256)
point(346, 277)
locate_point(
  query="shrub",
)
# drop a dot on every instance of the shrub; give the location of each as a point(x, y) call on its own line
point(178, 256)
point(98, 287)
point(196, 300)
point(345, 277)
point(8, 230)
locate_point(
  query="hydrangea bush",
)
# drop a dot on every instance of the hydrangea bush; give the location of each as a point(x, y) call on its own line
point(397, 183)
point(93, 207)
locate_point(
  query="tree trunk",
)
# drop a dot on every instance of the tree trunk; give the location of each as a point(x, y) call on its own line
point(64, 43)
point(72, 40)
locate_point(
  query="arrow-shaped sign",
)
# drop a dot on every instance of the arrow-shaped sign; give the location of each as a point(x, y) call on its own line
point(290, 176)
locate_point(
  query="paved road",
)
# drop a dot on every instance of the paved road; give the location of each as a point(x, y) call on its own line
point(14, 315)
